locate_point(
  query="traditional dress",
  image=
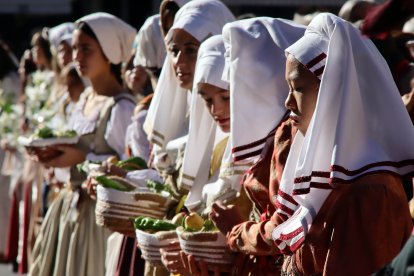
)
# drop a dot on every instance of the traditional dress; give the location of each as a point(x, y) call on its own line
point(70, 242)
point(167, 119)
point(10, 86)
point(256, 58)
point(326, 222)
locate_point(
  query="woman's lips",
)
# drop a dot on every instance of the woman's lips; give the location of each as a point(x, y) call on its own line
point(223, 121)
point(294, 118)
point(182, 76)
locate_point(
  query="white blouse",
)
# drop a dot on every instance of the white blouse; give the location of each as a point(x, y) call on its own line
point(136, 138)
point(115, 132)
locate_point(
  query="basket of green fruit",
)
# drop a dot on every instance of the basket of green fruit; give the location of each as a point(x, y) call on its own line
point(201, 238)
point(118, 201)
point(155, 234)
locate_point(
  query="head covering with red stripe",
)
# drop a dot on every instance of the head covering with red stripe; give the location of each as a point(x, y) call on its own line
point(353, 131)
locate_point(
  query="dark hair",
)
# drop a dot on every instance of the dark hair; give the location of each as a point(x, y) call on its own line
point(115, 68)
point(84, 27)
point(168, 9)
point(44, 44)
point(7, 64)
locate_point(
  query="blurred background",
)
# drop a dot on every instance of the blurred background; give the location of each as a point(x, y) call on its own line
point(19, 19)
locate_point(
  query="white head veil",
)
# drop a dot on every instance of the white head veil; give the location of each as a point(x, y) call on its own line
point(255, 67)
point(150, 44)
point(353, 131)
point(114, 35)
point(203, 133)
point(166, 119)
point(60, 33)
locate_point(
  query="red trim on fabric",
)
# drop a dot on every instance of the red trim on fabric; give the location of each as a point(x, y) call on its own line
point(345, 171)
point(316, 60)
point(289, 236)
point(247, 155)
point(287, 197)
point(309, 177)
point(319, 71)
point(313, 185)
point(320, 185)
point(301, 191)
point(337, 180)
point(263, 140)
point(253, 144)
point(284, 208)
point(399, 164)
point(297, 244)
point(283, 216)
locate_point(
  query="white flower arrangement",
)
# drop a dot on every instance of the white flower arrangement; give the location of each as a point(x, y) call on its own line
point(36, 96)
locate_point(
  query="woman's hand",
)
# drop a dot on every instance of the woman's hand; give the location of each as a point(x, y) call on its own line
point(111, 169)
point(225, 217)
point(172, 261)
point(69, 156)
point(90, 187)
point(197, 268)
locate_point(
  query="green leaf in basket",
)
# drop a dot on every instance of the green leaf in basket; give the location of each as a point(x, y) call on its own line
point(112, 184)
point(209, 226)
point(157, 187)
point(133, 163)
point(44, 132)
point(150, 224)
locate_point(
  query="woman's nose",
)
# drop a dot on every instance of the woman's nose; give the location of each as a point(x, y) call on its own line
point(290, 101)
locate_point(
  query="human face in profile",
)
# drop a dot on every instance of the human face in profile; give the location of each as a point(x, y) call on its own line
point(303, 93)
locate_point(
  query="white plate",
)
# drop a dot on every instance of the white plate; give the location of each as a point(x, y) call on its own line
point(30, 142)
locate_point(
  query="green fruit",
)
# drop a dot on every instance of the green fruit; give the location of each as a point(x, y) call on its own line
point(137, 161)
point(113, 184)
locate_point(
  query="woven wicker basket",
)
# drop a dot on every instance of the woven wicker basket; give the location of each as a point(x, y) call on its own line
point(115, 209)
point(211, 247)
point(150, 244)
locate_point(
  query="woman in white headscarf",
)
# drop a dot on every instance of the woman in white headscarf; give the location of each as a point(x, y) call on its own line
point(73, 244)
point(255, 57)
point(168, 10)
point(147, 63)
point(167, 118)
point(342, 209)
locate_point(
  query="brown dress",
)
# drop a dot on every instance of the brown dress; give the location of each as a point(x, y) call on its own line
point(261, 182)
point(360, 227)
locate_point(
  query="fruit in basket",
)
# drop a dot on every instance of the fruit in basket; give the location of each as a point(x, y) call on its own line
point(133, 163)
point(113, 183)
point(193, 222)
point(153, 225)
